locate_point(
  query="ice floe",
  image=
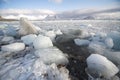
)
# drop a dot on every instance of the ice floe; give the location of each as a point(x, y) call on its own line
point(42, 42)
point(51, 55)
point(13, 47)
point(81, 42)
point(100, 66)
point(28, 39)
point(26, 27)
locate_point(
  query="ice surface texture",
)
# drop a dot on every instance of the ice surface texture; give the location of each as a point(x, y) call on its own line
point(28, 39)
point(26, 27)
point(100, 65)
point(51, 55)
point(13, 47)
point(42, 42)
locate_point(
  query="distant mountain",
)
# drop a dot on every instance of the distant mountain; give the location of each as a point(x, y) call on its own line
point(89, 18)
point(85, 14)
point(3, 19)
point(88, 14)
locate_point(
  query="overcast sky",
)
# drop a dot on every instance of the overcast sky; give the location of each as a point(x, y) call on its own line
point(58, 5)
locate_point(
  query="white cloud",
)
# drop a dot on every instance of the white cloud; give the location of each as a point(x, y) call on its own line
point(10, 17)
point(30, 17)
point(56, 1)
point(36, 14)
point(26, 11)
point(112, 15)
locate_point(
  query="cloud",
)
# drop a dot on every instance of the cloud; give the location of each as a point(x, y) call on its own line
point(56, 1)
point(36, 14)
point(112, 13)
point(26, 11)
point(30, 17)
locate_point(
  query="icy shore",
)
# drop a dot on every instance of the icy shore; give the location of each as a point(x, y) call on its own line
point(37, 52)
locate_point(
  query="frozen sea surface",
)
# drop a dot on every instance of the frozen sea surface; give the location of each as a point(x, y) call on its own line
point(90, 25)
point(77, 62)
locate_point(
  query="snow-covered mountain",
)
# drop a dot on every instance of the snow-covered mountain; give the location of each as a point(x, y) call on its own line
point(88, 14)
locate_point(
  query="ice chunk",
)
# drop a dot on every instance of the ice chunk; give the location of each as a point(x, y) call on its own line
point(28, 39)
point(109, 42)
point(16, 70)
point(115, 78)
point(89, 25)
point(13, 74)
point(58, 32)
point(51, 55)
point(116, 39)
point(5, 55)
point(13, 47)
point(101, 66)
point(64, 73)
point(53, 73)
point(27, 27)
point(97, 47)
point(113, 56)
point(38, 28)
point(51, 34)
point(61, 74)
point(42, 42)
point(39, 69)
point(7, 39)
point(95, 38)
point(84, 34)
point(81, 42)
point(101, 34)
point(32, 68)
point(8, 66)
